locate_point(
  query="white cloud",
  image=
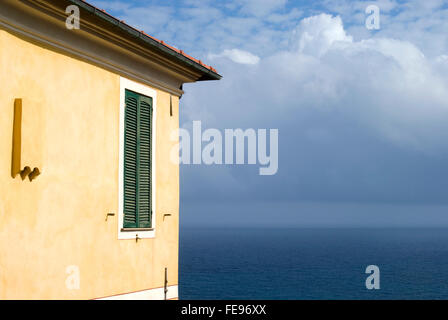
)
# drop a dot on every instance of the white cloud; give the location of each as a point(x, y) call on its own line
point(386, 86)
point(238, 56)
point(317, 34)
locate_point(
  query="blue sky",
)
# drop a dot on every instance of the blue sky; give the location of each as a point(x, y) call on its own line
point(362, 114)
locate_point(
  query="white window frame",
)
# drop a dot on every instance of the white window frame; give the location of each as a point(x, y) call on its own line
point(146, 91)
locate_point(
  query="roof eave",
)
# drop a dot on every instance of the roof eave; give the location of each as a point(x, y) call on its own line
point(206, 73)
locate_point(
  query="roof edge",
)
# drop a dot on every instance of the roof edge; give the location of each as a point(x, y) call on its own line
point(208, 72)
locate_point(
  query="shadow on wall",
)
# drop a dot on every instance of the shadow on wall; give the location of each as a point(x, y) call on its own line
point(17, 147)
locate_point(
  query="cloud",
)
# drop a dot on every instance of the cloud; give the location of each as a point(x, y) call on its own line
point(317, 34)
point(423, 23)
point(359, 121)
point(236, 55)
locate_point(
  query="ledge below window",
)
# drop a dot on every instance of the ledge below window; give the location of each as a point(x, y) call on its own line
point(136, 229)
point(139, 233)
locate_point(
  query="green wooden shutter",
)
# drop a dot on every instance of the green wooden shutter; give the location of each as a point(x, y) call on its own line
point(130, 161)
point(144, 189)
point(137, 161)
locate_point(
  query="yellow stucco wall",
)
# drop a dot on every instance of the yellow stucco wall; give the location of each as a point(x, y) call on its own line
point(70, 131)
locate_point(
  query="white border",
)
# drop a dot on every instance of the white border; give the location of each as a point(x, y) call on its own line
point(144, 90)
point(151, 294)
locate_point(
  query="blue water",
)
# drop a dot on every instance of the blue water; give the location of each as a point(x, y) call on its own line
point(312, 263)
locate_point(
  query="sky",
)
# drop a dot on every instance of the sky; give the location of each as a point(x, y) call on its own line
point(361, 114)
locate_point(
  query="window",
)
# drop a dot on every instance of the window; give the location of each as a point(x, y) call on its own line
point(136, 180)
point(137, 161)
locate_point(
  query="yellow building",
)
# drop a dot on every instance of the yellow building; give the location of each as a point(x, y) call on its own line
point(89, 199)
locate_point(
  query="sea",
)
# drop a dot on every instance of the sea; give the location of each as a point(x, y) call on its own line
point(310, 264)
